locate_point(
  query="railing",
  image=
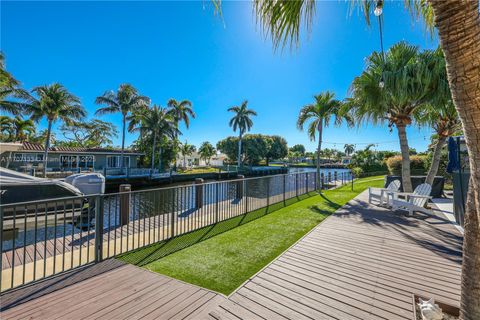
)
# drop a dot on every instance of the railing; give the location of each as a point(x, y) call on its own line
point(43, 238)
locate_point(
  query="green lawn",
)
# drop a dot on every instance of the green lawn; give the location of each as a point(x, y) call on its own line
point(223, 256)
point(197, 170)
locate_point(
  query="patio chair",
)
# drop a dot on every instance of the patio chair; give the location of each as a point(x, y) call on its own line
point(381, 193)
point(413, 201)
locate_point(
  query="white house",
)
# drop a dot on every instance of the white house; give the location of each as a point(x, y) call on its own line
point(194, 160)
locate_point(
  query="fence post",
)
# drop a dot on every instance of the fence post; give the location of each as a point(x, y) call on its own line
point(329, 178)
point(296, 184)
point(322, 180)
point(198, 193)
point(245, 195)
point(98, 228)
point(125, 190)
point(172, 220)
point(268, 192)
point(306, 181)
point(351, 176)
point(284, 190)
point(239, 189)
point(216, 201)
point(335, 178)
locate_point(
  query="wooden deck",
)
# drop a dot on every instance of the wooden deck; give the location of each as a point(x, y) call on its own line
point(110, 290)
point(364, 262)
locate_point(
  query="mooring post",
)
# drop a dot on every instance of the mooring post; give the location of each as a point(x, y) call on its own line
point(198, 193)
point(239, 193)
point(125, 190)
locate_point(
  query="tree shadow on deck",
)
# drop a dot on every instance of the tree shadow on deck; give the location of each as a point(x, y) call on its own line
point(432, 232)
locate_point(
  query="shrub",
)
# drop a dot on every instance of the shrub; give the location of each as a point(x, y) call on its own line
point(357, 171)
point(417, 165)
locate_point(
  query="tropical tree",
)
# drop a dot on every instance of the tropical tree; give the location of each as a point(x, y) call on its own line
point(159, 123)
point(206, 151)
point(10, 88)
point(283, 20)
point(300, 148)
point(349, 148)
point(407, 84)
point(22, 129)
point(186, 150)
point(318, 115)
point(6, 128)
point(439, 113)
point(125, 101)
point(243, 122)
point(94, 133)
point(53, 102)
point(181, 111)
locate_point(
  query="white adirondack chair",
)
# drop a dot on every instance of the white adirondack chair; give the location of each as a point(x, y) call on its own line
point(381, 193)
point(413, 201)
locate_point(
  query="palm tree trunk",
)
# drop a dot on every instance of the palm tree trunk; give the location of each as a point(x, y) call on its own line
point(124, 122)
point(458, 24)
point(239, 156)
point(404, 149)
point(47, 145)
point(153, 150)
point(319, 149)
point(435, 160)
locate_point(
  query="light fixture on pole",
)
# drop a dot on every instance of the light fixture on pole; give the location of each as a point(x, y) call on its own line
point(378, 12)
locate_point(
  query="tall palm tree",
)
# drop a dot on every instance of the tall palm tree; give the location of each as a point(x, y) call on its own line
point(125, 101)
point(440, 113)
point(243, 122)
point(181, 111)
point(159, 123)
point(22, 128)
point(349, 148)
point(53, 102)
point(186, 150)
point(318, 115)
point(10, 88)
point(283, 20)
point(408, 83)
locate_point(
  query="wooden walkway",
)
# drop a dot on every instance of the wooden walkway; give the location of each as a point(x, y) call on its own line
point(364, 262)
point(110, 290)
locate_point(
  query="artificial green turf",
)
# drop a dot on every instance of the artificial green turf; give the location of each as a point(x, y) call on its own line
point(223, 256)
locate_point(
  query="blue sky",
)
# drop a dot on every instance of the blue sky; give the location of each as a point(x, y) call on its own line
point(182, 50)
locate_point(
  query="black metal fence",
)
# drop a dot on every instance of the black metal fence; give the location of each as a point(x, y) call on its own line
point(43, 238)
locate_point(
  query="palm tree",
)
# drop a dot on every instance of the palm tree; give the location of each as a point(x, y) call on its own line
point(53, 102)
point(318, 115)
point(181, 111)
point(125, 101)
point(206, 151)
point(440, 113)
point(241, 121)
point(22, 128)
point(349, 148)
point(6, 128)
point(283, 20)
point(186, 150)
point(408, 84)
point(159, 123)
point(10, 88)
